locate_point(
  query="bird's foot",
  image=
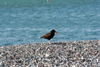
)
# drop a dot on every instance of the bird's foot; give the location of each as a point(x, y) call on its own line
point(49, 43)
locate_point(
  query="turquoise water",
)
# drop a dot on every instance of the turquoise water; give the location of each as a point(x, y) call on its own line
point(25, 21)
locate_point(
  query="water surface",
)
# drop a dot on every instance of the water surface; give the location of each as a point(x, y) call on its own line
point(25, 21)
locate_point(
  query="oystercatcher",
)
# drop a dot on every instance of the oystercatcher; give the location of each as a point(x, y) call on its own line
point(49, 35)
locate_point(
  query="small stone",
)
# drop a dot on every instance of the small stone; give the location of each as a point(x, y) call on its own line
point(83, 60)
point(74, 66)
point(47, 55)
point(0, 56)
point(11, 57)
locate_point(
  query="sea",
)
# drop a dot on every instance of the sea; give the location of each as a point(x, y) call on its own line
point(25, 21)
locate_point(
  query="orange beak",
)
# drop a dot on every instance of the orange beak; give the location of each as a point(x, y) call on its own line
point(56, 32)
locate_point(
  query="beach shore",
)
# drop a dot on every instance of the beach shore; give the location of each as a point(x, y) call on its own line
point(58, 54)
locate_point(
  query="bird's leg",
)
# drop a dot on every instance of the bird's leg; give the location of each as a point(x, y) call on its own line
point(49, 41)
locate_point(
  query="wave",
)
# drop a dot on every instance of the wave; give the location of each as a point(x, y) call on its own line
point(19, 2)
point(14, 3)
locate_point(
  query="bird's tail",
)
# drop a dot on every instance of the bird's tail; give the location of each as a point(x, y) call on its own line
point(41, 37)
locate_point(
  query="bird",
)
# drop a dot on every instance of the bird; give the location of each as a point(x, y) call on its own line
point(48, 1)
point(49, 35)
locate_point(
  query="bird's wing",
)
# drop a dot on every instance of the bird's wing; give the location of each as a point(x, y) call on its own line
point(46, 35)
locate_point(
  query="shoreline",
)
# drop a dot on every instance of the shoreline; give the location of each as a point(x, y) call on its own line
point(59, 54)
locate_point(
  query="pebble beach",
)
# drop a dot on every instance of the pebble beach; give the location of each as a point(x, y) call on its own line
point(58, 54)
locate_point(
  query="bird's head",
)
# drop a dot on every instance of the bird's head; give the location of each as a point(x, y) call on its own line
point(54, 31)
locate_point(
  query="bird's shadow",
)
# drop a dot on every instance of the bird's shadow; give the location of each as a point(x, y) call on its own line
point(58, 43)
point(53, 43)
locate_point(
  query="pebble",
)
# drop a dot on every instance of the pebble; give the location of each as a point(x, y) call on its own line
point(58, 54)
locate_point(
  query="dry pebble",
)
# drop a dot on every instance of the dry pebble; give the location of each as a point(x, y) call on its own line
point(58, 54)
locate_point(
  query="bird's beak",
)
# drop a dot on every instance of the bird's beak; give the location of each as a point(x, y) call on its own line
point(56, 32)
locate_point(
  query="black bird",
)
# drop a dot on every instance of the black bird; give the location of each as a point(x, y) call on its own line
point(49, 35)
